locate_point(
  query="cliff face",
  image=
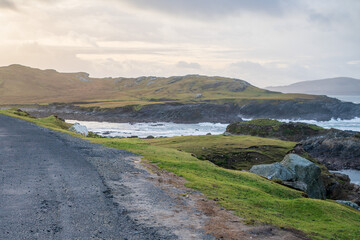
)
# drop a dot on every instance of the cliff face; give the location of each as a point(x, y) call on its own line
point(320, 109)
point(205, 112)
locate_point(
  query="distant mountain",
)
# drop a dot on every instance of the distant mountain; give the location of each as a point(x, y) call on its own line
point(329, 86)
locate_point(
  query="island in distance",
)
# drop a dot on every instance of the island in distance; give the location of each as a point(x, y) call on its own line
point(330, 86)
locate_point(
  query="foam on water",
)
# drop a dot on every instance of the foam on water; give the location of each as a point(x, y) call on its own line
point(158, 129)
point(352, 124)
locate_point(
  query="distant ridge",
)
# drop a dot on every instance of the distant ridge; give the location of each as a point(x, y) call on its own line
point(329, 86)
point(25, 85)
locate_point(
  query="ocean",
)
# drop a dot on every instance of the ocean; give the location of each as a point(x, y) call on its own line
point(166, 129)
point(155, 129)
point(353, 124)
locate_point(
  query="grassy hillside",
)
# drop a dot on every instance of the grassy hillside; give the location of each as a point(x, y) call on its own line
point(249, 196)
point(233, 152)
point(25, 85)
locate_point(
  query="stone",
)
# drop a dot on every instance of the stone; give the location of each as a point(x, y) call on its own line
point(306, 172)
point(349, 203)
point(297, 172)
point(150, 137)
point(273, 171)
point(199, 95)
point(80, 129)
point(226, 134)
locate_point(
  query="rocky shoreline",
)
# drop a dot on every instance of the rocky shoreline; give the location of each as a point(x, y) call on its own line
point(320, 110)
point(334, 148)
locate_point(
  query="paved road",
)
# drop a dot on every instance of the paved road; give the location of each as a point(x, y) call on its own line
point(50, 190)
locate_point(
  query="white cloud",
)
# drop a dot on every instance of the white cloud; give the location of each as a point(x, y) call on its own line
point(191, 65)
point(353, 62)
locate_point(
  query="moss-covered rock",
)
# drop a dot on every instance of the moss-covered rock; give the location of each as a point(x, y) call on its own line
point(274, 129)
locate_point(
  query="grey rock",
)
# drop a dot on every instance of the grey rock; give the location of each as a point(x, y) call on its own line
point(296, 172)
point(226, 134)
point(273, 171)
point(80, 129)
point(306, 172)
point(349, 203)
point(199, 95)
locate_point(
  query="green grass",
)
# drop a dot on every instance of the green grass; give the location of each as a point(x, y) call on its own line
point(262, 122)
point(51, 122)
point(251, 197)
point(254, 198)
point(233, 152)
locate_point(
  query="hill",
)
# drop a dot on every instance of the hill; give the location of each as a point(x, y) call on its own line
point(329, 86)
point(190, 98)
point(23, 85)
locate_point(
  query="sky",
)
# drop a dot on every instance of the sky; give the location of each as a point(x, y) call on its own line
point(265, 42)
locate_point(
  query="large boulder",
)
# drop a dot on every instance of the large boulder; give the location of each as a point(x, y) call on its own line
point(296, 172)
point(306, 173)
point(273, 171)
point(80, 129)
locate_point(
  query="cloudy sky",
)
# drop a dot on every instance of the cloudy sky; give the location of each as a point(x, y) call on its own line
point(266, 42)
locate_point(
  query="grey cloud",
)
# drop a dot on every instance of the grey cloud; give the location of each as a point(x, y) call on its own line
point(183, 64)
point(212, 8)
point(7, 4)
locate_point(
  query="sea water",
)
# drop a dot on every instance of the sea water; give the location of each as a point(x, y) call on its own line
point(353, 174)
point(155, 129)
point(352, 124)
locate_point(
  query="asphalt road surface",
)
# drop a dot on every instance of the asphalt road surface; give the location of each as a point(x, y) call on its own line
point(51, 188)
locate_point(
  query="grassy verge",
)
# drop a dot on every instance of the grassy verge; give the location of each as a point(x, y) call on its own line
point(51, 122)
point(256, 199)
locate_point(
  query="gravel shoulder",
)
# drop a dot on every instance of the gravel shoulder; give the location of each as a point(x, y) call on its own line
point(55, 186)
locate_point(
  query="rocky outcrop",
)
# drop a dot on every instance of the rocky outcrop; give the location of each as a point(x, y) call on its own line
point(350, 204)
point(339, 187)
point(292, 131)
point(335, 151)
point(170, 112)
point(273, 171)
point(322, 108)
point(334, 148)
point(296, 172)
point(80, 129)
